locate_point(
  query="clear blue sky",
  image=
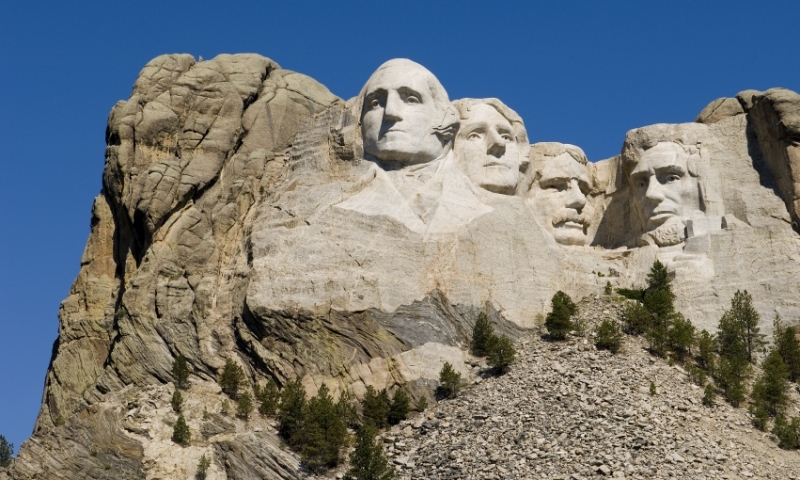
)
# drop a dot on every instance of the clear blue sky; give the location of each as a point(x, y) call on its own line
point(577, 72)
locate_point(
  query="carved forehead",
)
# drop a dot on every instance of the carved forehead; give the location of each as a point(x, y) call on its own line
point(662, 155)
point(401, 72)
point(564, 166)
point(484, 113)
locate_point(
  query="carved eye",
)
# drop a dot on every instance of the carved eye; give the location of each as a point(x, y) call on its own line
point(413, 99)
point(641, 183)
point(559, 187)
point(375, 103)
point(672, 178)
point(474, 136)
point(507, 137)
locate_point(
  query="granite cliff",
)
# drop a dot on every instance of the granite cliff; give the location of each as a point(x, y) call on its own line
point(249, 214)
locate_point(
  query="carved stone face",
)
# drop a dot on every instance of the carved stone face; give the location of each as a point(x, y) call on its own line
point(486, 150)
point(558, 200)
point(399, 115)
point(662, 192)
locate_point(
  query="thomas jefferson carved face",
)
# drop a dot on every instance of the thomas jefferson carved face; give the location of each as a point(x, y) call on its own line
point(558, 199)
point(486, 149)
point(662, 191)
point(403, 110)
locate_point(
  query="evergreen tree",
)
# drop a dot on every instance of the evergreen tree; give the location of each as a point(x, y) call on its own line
point(422, 404)
point(788, 433)
point(788, 347)
point(290, 413)
point(202, 468)
point(367, 461)
point(244, 406)
point(771, 390)
point(267, 397)
point(658, 278)
point(180, 372)
point(231, 379)
point(6, 452)
point(741, 334)
point(608, 336)
point(680, 337)
point(449, 381)
point(375, 407)
point(345, 408)
point(401, 405)
point(658, 335)
point(730, 376)
point(709, 396)
point(608, 290)
point(501, 353)
point(637, 318)
point(482, 335)
point(325, 431)
point(558, 322)
point(706, 346)
point(177, 401)
point(180, 432)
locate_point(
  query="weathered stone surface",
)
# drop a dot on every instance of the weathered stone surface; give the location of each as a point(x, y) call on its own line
point(719, 109)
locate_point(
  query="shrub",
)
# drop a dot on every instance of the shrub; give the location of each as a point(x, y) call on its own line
point(696, 375)
point(706, 346)
point(324, 432)
point(637, 319)
point(375, 407)
point(680, 337)
point(267, 397)
point(608, 290)
point(180, 372)
point(789, 348)
point(180, 432)
point(482, 335)
point(367, 461)
point(788, 433)
point(231, 379)
point(760, 417)
point(771, 389)
point(607, 336)
point(398, 410)
point(501, 353)
point(290, 412)
point(202, 468)
point(652, 389)
point(449, 381)
point(558, 321)
point(6, 452)
point(709, 396)
point(632, 294)
point(422, 404)
point(177, 401)
point(244, 406)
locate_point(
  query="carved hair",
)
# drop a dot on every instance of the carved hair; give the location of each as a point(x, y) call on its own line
point(688, 137)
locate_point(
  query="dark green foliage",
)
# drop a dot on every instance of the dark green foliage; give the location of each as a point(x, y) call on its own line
point(637, 319)
point(633, 294)
point(180, 432)
point(709, 396)
point(730, 376)
point(449, 382)
point(659, 303)
point(652, 388)
point(267, 397)
point(231, 379)
point(706, 346)
point(290, 413)
point(401, 405)
point(696, 375)
point(738, 328)
point(680, 337)
point(760, 417)
point(346, 409)
point(658, 278)
point(225, 409)
point(422, 404)
point(180, 372)
point(608, 336)
point(482, 335)
point(501, 353)
point(6, 452)
point(177, 401)
point(375, 407)
point(658, 335)
point(244, 406)
point(367, 461)
point(789, 348)
point(324, 432)
point(608, 290)
point(202, 468)
point(771, 389)
point(558, 321)
point(788, 433)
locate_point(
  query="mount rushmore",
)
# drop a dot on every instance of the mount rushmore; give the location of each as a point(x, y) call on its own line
point(248, 213)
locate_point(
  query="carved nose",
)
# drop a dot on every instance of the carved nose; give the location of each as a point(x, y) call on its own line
point(655, 191)
point(497, 144)
point(575, 198)
point(394, 107)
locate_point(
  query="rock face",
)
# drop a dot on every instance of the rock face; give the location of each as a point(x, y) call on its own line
point(249, 214)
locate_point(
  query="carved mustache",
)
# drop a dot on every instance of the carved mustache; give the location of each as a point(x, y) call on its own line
point(568, 215)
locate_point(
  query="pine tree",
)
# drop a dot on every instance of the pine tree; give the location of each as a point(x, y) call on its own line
point(180, 372)
point(709, 396)
point(325, 432)
point(558, 322)
point(637, 318)
point(501, 353)
point(706, 346)
point(267, 397)
point(771, 390)
point(345, 408)
point(608, 336)
point(367, 461)
point(788, 347)
point(401, 405)
point(658, 335)
point(422, 404)
point(202, 468)
point(658, 278)
point(244, 406)
point(375, 407)
point(482, 334)
point(449, 381)
point(681, 336)
point(788, 433)
point(290, 413)
point(231, 379)
point(6, 452)
point(741, 327)
point(730, 376)
point(177, 401)
point(180, 432)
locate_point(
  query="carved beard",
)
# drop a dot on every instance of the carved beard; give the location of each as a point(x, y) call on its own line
point(667, 235)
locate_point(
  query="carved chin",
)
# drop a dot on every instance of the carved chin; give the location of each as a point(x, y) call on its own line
point(667, 235)
point(569, 235)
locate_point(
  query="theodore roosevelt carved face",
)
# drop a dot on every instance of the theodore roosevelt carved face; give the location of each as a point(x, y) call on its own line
point(557, 196)
point(491, 144)
point(406, 116)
